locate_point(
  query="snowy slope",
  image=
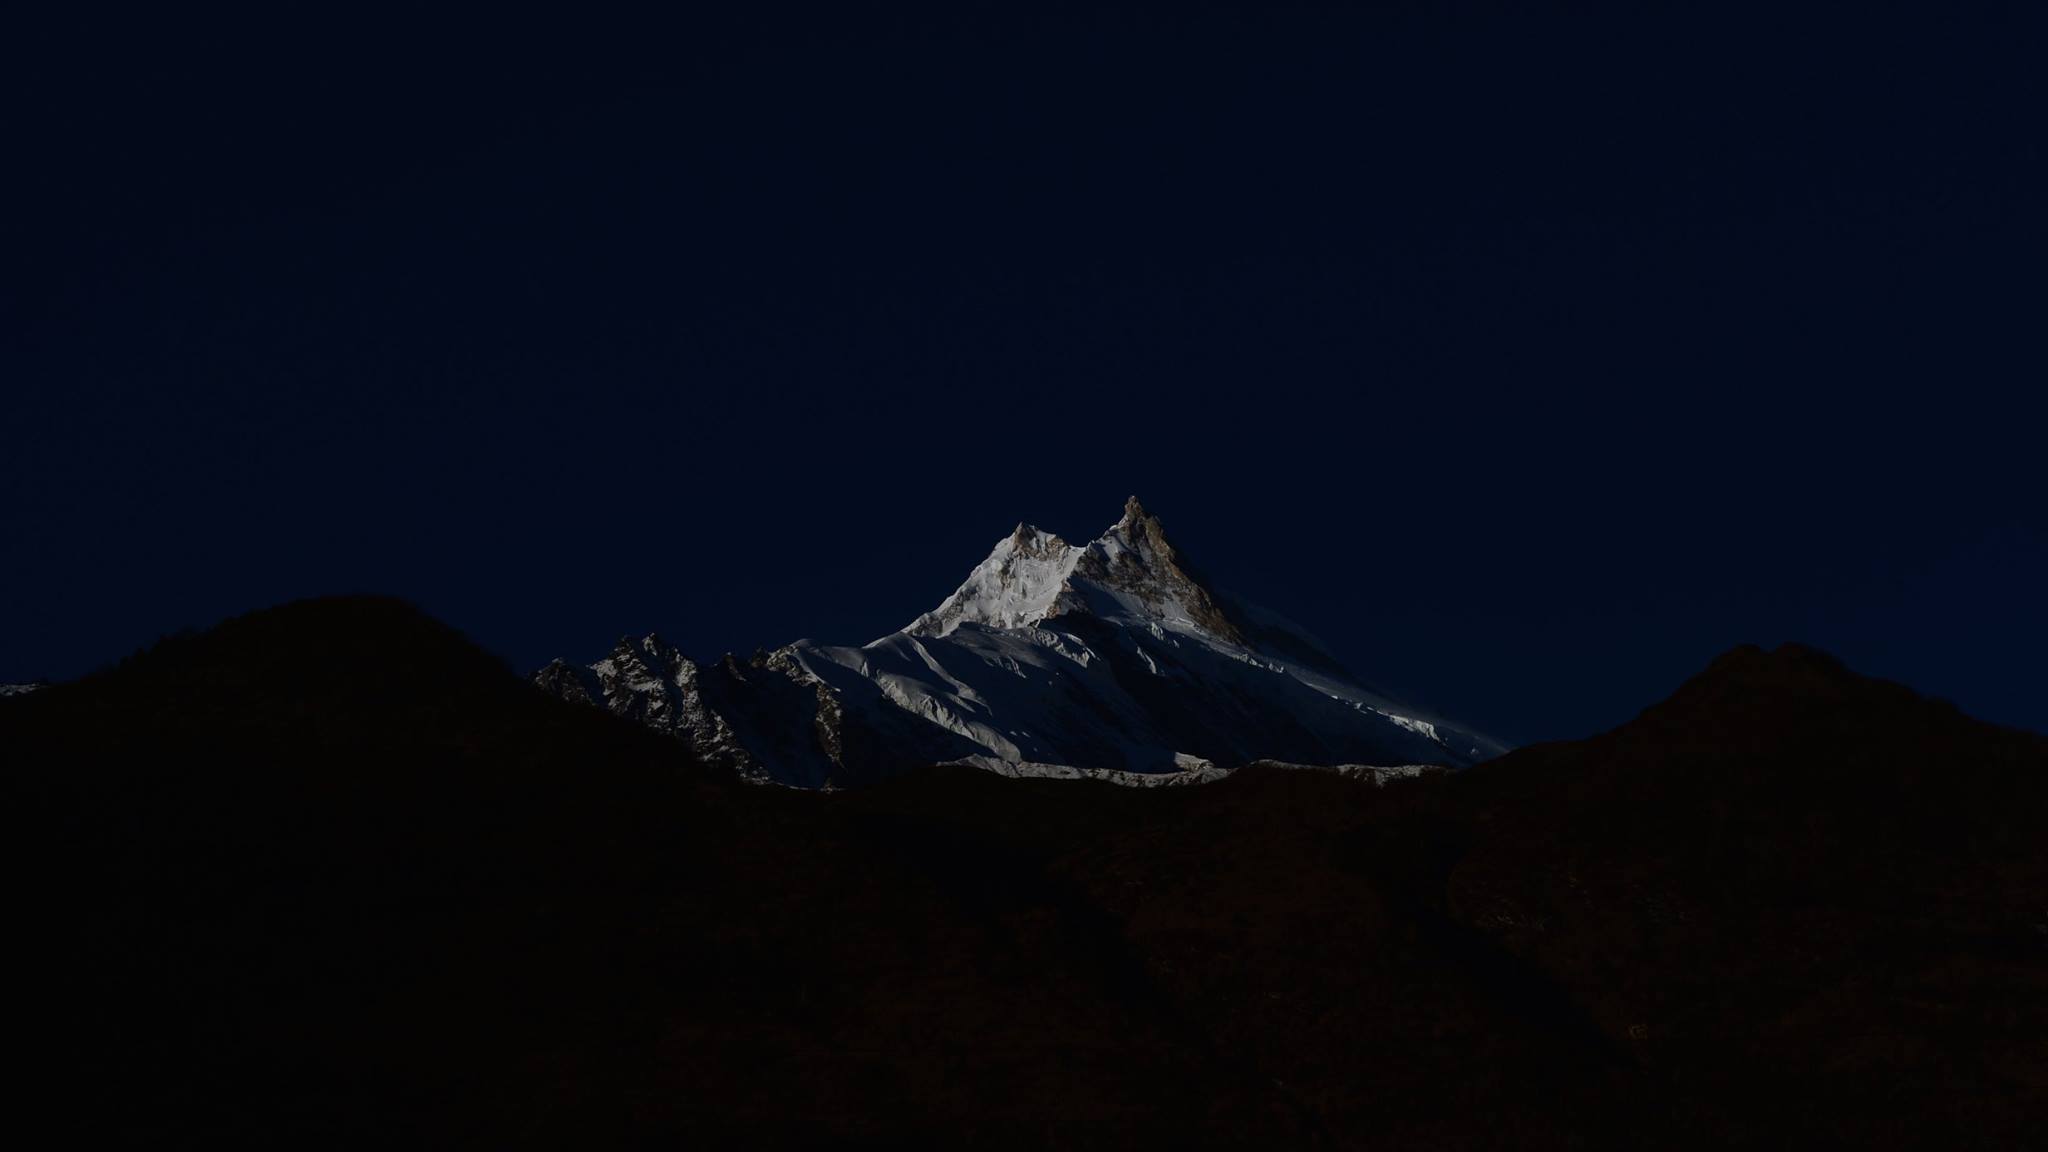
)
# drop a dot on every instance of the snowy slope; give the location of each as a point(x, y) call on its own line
point(1109, 659)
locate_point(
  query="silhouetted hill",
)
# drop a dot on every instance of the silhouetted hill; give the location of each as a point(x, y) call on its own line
point(1789, 877)
point(327, 873)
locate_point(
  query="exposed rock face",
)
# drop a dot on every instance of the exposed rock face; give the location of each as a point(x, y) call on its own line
point(561, 678)
point(1135, 560)
point(649, 681)
point(1112, 660)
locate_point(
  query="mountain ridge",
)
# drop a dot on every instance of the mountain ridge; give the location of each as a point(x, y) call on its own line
point(1112, 657)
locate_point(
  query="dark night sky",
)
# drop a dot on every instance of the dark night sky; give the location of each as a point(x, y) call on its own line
point(1529, 361)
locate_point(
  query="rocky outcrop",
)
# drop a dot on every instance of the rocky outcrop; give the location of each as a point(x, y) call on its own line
point(1135, 559)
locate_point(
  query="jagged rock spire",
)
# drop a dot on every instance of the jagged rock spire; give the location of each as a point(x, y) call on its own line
point(1146, 567)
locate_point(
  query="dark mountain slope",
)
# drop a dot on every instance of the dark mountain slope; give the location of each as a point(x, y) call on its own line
point(328, 873)
point(1788, 874)
point(294, 872)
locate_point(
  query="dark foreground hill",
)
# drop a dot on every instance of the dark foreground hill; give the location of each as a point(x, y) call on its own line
point(329, 874)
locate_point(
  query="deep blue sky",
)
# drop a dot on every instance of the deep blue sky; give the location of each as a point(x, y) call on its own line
point(1529, 361)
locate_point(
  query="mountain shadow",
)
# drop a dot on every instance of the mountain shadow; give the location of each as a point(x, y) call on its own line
point(329, 874)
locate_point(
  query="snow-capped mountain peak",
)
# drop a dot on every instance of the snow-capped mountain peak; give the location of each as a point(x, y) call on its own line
point(1109, 660)
point(1129, 572)
point(1019, 584)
